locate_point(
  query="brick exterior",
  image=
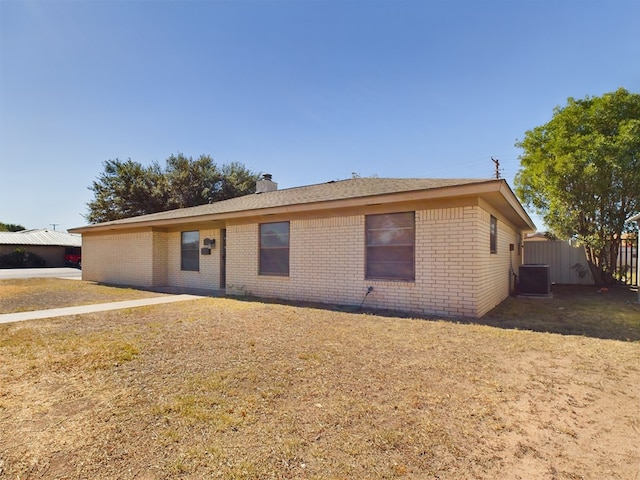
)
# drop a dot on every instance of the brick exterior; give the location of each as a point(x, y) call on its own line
point(495, 279)
point(118, 258)
point(455, 273)
point(208, 277)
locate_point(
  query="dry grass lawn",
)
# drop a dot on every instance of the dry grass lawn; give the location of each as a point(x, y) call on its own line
point(221, 388)
point(27, 294)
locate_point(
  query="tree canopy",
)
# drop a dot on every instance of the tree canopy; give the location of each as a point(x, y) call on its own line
point(11, 227)
point(581, 172)
point(127, 188)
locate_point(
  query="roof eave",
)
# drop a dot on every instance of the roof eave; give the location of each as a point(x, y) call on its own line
point(517, 207)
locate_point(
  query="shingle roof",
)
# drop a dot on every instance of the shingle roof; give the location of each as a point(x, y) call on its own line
point(323, 192)
point(41, 237)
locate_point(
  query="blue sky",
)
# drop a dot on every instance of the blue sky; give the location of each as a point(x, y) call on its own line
point(307, 90)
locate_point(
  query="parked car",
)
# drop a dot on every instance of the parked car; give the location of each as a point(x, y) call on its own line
point(73, 260)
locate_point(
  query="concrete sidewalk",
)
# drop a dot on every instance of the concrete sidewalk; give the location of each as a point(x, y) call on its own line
point(99, 307)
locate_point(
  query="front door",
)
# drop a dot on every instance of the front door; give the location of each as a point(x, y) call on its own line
point(223, 259)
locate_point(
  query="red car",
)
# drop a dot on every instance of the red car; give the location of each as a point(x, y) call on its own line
point(73, 260)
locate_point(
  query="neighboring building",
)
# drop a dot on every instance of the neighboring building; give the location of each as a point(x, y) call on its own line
point(537, 237)
point(429, 246)
point(50, 245)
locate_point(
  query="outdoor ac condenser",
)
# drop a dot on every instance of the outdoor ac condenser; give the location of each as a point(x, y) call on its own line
point(534, 280)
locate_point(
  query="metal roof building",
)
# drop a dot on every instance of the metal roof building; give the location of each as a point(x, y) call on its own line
point(41, 247)
point(41, 237)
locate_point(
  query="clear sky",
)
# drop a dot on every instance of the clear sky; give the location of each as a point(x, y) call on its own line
point(307, 90)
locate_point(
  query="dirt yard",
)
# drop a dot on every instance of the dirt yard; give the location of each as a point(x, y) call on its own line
point(229, 389)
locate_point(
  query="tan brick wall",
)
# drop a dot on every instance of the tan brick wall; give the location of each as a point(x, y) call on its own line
point(147, 259)
point(242, 264)
point(121, 258)
point(160, 257)
point(208, 277)
point(495, 279)
point(455, 273)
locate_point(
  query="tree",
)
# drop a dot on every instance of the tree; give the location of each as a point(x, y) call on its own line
point(11, 227)
point(127, 188)
point(190, 181)
point(581, 173)
point(235, 180)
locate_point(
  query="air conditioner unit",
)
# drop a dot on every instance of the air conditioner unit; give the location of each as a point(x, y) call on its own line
point(534, 280)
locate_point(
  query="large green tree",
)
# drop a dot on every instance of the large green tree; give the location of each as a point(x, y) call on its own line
point(581, 173)
point(11, 227)
point(127, 188)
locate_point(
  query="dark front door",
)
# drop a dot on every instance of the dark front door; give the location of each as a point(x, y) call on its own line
point(223, 259)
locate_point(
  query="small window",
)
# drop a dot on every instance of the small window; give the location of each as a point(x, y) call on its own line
point(493, 235)
point(189, 251)
point(274, 249)
point(390, 246)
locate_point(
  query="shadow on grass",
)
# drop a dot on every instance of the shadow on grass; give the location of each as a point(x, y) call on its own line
point(574, 310)
point(613, 314)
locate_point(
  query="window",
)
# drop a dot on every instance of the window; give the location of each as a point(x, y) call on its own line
point(493, 235)
point(390, 246)
point(189, 251)
point(274, 248)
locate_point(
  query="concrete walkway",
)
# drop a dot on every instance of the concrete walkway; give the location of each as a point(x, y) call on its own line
point(99, 307)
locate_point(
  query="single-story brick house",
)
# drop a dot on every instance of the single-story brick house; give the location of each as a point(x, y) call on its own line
point(428, 246)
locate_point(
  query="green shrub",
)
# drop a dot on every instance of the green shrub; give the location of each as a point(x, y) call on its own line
point(21, 257)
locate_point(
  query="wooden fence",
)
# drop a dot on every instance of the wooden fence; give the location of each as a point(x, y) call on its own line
point(568, 264)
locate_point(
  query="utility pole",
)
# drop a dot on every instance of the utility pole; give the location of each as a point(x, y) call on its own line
point(497, 162)
point(54, 225)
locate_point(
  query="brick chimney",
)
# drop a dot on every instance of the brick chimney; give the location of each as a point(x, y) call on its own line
point(266, 184)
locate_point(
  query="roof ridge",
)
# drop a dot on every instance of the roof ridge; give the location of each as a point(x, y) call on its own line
point(329, 191)
point(405, 179)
